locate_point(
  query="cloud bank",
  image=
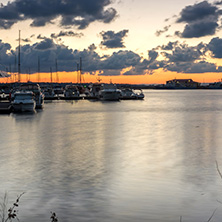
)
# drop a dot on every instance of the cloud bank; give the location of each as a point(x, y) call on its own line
point(174, 56)
point(78, 13)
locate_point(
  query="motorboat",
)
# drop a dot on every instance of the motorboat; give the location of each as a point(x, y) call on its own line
point(71, 92)
point(109, 92)
point(94, 90)
point(127, 94)
point(58, 90)
point(130, 94)
point(38, 95)
point(49, 93)
point(140, 94)
point(23, 101)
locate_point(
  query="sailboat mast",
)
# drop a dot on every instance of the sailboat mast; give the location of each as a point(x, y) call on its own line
point(51, 74)
point(77, 78)
point(80, 70)
point(38, 69)
point(57, 75)
point(19, 61)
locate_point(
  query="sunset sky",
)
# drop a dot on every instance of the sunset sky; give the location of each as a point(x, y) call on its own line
point(123, 41)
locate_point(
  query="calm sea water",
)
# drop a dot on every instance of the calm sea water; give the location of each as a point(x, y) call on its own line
point(128, 161)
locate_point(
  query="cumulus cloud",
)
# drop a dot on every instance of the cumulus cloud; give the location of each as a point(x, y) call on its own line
point(215, 46)
point(200, 28)
point(183, 53)
point(48, 52)
point(77, 13)
point(197, 12)
point(182, 58)
point(170, 45)
point(201, 19)
point(113, 40)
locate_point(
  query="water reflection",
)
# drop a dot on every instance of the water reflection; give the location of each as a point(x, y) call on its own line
point(151, 160)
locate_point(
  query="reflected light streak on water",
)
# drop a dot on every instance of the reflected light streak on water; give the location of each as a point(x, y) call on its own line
point(151, 160)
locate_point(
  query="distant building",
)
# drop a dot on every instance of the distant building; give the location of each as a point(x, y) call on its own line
point(182, 84)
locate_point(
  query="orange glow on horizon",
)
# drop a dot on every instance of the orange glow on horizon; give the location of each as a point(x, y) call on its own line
point(158, 77)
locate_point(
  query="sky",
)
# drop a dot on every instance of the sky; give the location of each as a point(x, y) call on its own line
point(119, 41)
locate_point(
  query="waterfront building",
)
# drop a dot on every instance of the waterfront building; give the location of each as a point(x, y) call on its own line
point(182, 84)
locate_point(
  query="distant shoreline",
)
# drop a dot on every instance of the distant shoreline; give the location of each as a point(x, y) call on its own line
point(132, 86)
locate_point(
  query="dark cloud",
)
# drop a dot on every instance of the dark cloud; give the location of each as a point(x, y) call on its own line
point(45, 45)
point(183, 53)
point(175, 57)
point(196, 67)
point(48, 51)
point(170, 46)
point(218, 3)
point(41, 37)
point(66, 34)
point(197, 12)
point(110, 72)
point(181, 58)
point(145, 66)
point(78, 13)
point(92, 47)
point(200, 19)
point(200, 28)
point(152, 56)
point(215, 46)
point(5, 53)
point(112, 39)
point(121, 59)
point(26, 40)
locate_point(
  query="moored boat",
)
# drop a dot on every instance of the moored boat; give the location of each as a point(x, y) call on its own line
point(140, 94)
point(127, 94)
point(23, 102)
point(94, 90)
point(38, 95)
point(49, 93)
point(109, 92)
point(130, 94)
point(71, 92)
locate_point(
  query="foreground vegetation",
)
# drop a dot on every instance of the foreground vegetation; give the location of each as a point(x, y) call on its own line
point(11, 213)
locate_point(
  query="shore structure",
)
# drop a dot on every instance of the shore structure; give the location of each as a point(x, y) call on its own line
point(182, 84)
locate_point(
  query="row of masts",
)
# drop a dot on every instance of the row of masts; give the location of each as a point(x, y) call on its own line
point(79, 66)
